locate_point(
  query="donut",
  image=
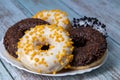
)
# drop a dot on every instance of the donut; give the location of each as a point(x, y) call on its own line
point(15, 32)
point(45, 48)
point(54, 17)
point(89, 22)
point(89, 47)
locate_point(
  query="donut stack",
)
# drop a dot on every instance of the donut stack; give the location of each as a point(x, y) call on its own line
point(48, 42)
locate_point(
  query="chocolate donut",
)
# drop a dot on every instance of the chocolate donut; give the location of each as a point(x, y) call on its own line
point(90, 46)
point(15, 32)
point(90, 22)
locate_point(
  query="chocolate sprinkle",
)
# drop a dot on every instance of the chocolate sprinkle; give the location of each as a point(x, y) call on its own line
point(91, 22)
point(90, 45)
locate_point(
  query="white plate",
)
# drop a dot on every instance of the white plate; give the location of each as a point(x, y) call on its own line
point(8, 58)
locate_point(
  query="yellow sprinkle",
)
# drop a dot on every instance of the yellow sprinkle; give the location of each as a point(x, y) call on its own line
point(42, 59)
point(38, 47)
point(67, 60)
point(30, 47)
point(31, 33)
point(41, 54)
point(48, 14)
point(26, 32)
point(35, 64)
point(39, 70)
point(70, 57)
point(64, 46)
point(63, 54)
point(16, 53)
point(46, 65)
point(55, 61)
point(42, 39)
point(18, 59)
point(56, 14)
point(31, 58)
point(53, 20)
point(51, 36)
point(26, 52)
point(42, 32)
point(67, 34)
point(67, 66)
point(21, 39)
point(27, 45)
point(60, 28)
point(62, 39)
point(57, 40)
point(71, 49)
point(27, 37)
point(39, 62)
point(65, 21)
point(56, 22)
point(33, 54)
point(36, 59)
point(46, 43)
point(19, 45)
point(34, 38)
point(61, 63)
point(57, 56)
point(51, 53)
point(59, 17)
point(51, 47)
point(54, 72)
point(63, 51)
point(68, 44)
point(45, 18)
point(40, 14)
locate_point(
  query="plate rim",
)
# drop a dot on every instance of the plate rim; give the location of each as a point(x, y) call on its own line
point(59, 74)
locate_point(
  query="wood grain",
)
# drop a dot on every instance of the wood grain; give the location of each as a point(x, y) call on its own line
point(4, 75)
point(15, 10)
point(106, 11)
point(37, 5)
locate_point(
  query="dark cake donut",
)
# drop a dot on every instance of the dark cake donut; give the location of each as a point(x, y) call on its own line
point(15, 32)
point(90, 46)
point(89, 22)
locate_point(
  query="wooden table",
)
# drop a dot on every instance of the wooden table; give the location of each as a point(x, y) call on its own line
point(107, 11)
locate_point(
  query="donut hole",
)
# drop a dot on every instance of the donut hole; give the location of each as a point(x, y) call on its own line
point(79, 42)
point(41, 46)
point(45, 47)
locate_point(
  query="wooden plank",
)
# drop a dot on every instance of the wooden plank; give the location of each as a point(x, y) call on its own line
point(4, 75)
point(37, 5)
point(107, 71)
point(106, 11)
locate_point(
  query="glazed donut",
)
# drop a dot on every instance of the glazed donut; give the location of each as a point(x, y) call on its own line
point(54, 17)
point(90, 47)
point(45, 48)
point(89, 22)
point(15, 32)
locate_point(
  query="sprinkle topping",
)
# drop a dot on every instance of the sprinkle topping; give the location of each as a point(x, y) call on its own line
point(89, 22)
point(53, 17)
point(43, 42)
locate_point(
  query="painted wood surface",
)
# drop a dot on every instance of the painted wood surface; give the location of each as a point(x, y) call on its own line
point(107, 11)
